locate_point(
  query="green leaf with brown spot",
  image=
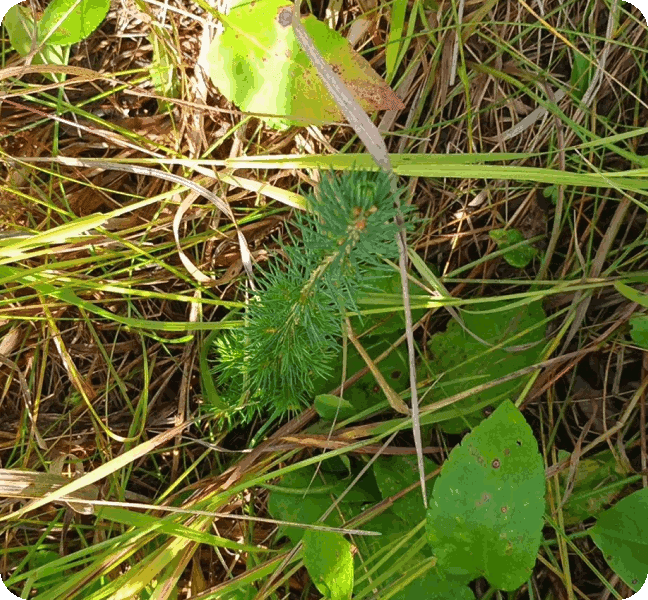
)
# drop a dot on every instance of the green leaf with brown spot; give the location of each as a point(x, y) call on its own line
point(486, 514)
point(257, 64)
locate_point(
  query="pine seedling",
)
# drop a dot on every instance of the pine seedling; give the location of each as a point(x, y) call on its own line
point(294, 319)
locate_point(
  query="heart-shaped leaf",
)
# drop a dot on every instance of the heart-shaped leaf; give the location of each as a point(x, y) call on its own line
point(303, 497)
point(433, 586)
point(518, 257)
point(332, 407)
point(593, 487)
point(639, 330)
point(485, 518)
point(461, 362)
point(21, 29)
point(393, 474)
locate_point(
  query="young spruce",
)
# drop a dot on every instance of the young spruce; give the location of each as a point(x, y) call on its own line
point(294, 320)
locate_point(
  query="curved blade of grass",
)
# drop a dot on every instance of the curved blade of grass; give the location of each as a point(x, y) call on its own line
point(139, 170)
point(42, 285)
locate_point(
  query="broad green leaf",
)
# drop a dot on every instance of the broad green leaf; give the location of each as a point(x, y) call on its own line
point(301, 498)
point(380, 324)
point(391, 528)
point(257, 64)
point(639, 331)
point(581, 75)
point(21, 29)
point(551, 192)
point(393, 474)
point(70, 21)
point(366, 393)
point(518, 257)
point(332, 407)
point(338, 465)
point(52, 54)
point(430, 585)
point(593, 486)
point(433, 586)
point(621, 533)
point(460, 362)
point(329, 561)
point(485, 518)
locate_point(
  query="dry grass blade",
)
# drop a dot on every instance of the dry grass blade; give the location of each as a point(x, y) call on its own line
point(393, 398)
point(99, 473)
point(82, 73)
point(15, 483)
point(183, 181)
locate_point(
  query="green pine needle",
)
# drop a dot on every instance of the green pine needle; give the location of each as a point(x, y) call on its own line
point(293, 321)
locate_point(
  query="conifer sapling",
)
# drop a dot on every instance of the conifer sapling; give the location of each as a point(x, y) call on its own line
point(294, 319)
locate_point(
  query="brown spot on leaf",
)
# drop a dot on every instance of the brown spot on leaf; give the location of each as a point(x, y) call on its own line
point(366, 85)
point(496, 464)
point(285, 16)
point(484, 499)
